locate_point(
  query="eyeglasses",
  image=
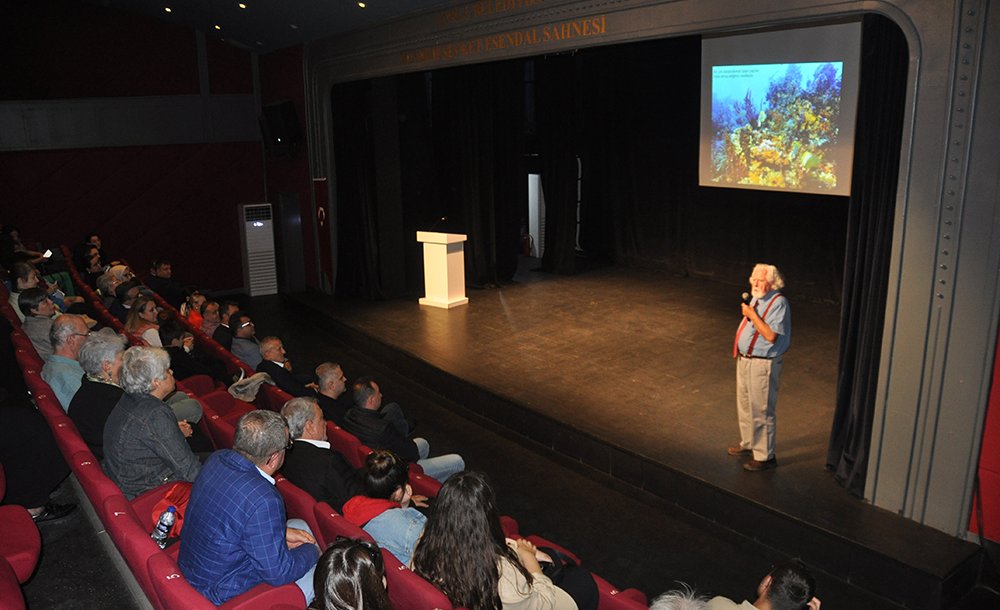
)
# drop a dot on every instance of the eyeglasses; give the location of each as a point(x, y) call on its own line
point(290, 444)
point(245, 324)
point(86, 334)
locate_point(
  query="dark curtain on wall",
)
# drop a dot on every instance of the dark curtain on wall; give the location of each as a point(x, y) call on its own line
point(356, 212)
point(869, 244)
point(557, 119)
point(479, 172)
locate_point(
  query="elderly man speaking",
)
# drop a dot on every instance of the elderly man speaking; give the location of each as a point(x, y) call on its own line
point(761, 341)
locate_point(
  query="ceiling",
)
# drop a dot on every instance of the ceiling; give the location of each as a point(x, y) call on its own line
point(267, 25)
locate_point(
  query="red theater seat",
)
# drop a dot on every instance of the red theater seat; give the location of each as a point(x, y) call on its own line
point(11, 597)
point(409, 591)
point(174, 592)
point(333, 524)
point(20, 542)
point(300, 505)
point(199, 385)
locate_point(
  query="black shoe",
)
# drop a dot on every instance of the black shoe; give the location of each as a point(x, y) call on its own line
point(53, 511)
point(757, 465)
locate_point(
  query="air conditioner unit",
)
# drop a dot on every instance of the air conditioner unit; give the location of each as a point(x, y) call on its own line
point(260, 275)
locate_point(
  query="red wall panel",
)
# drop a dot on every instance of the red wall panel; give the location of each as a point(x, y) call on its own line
point(176, 201)
point(989, 463)
point(229, 68)
point(69, 49)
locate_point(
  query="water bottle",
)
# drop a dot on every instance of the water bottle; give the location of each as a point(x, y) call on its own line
point(163, 526)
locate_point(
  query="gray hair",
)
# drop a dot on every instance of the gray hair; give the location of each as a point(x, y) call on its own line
point(298, 412)
point(63, 328)
point(679, 599)
point(325, 372)
point(260, 434)
point(773, 275)
point(104, 284)
point(140, 366)
point(267, 343)
point(101, 346)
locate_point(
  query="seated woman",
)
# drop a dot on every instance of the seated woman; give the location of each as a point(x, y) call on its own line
point(350, 575)
point(24, 275)
point(39, 311)
point(384, 511)
point(464, 553)
point(191, 308)
point(143, 321)
point(101, 359)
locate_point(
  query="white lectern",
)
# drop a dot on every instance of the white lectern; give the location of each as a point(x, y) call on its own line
point(444, 269)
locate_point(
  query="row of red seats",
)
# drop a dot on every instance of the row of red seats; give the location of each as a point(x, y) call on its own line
point(222, 411)
point(128, 523)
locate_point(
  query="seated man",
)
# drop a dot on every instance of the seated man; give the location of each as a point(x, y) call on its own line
point(384, 511)
point(144, 444)
point(245, 344)
point(62, 371)
point(332, 396)
point(275, 363)
point(39, 312)
point(311, 465)
point(387, 429)
point(185, 360)
point(161, 280)
point(223, 335)
point(788, 587)
point(125, 294)
point(235, 535)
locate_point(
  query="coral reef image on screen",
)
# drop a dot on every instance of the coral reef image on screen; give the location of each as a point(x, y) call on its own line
point(776, 125)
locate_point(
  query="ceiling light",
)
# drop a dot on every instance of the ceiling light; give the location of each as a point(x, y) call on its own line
point(241, 5)
point(362, 4)
point(218, 27)
point(168, 9)
point(293, 26)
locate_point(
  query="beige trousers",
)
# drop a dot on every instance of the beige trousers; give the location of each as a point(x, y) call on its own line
point(757, 381)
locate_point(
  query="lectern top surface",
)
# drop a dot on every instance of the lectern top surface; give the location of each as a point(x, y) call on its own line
point(440, 238)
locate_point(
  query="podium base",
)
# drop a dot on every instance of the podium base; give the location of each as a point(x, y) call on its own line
point(443, 304)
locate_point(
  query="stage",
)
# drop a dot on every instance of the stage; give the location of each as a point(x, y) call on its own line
point(629, 374)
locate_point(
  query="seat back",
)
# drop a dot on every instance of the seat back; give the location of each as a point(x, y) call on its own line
point(199, 385)
point(11, 597)
point(133, 542)
point(408, 590)
point(94, 482)
point(346, 444)
point(332, 524)
point(300, 505)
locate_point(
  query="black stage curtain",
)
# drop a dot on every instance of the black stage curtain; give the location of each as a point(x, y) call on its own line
point(357, 237)
point(480, 179)
point(869, 242)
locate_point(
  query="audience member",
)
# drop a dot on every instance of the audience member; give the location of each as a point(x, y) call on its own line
point(144, 444)
point(332, 396)
point(101, 359)
point(161, 281)
point(32, 463)
point(190, 309)
point(679, 599)
point(143, 321)
point(245, 345)
point(210, 317)
point(223, 335)
point(311, 464)
point(384, 511)
point(386, 428)
point(463, 545)
point(39, 311)
point(87, 259)
point(350, 576)
point(274, 362)
point(125, 295)
point(106, 284)
point(62, 371)
point(184, 358)
point(235, 535)
point(789, 586)
point(24, 276)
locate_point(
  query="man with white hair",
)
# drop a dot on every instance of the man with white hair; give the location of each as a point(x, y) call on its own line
point(761, 341)
point(144, 444)
point(62, 371)
point(275, 362)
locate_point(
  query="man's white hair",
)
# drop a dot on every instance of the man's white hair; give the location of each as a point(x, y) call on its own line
point(679, 599)
point(773, 275)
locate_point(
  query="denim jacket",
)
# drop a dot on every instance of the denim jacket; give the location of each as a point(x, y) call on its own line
point(143, 447)
point(394, 528)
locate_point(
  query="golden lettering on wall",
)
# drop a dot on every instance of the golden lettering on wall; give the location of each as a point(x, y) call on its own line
point(486, 8)
point(514, 39)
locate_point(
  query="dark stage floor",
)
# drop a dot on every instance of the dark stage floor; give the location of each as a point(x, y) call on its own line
point(630, 372)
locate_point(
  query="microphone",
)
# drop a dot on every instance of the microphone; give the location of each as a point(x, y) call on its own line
point(746, 300)
point(437, 222)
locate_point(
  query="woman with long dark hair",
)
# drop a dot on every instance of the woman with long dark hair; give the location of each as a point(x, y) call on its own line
point(350, 576)
point(464, 553)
